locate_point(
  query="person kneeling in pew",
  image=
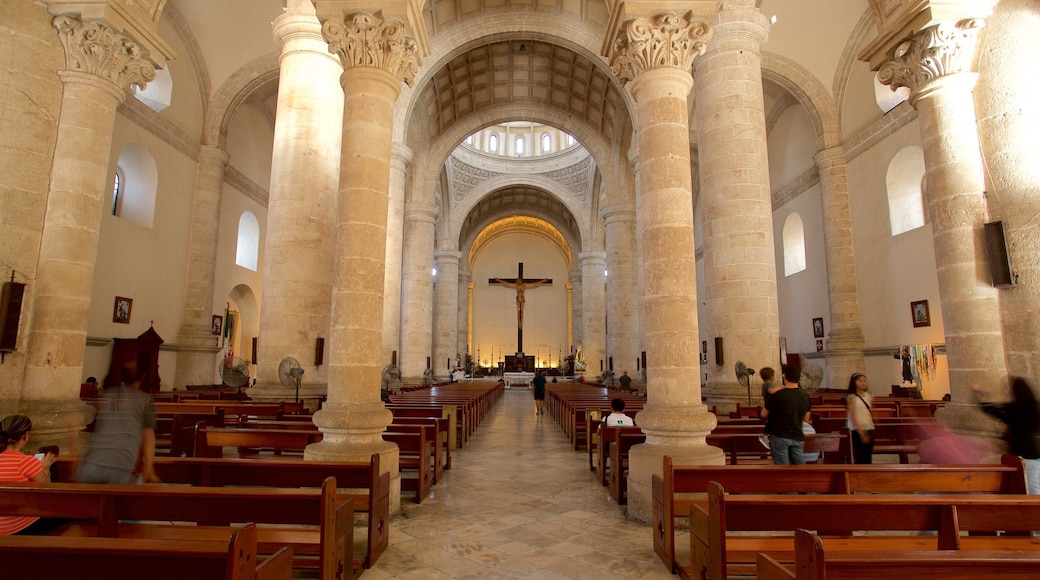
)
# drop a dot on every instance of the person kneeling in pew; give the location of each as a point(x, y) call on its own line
point(17, 467)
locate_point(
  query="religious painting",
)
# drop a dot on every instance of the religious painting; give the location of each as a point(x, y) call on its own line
point(920, 314)
point(817, 327)
point(819, 345)
point(121, 312)
point(218, 324)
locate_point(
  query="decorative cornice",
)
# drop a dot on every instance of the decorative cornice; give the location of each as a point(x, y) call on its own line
point(367, 40)
point(934, 52)
point(95, 48)
point(669, 40)
point(246, 186)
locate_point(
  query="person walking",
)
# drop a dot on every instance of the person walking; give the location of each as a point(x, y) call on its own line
point(785, 410)
point(860, 421)
point(539, 392)
point(1021, 415)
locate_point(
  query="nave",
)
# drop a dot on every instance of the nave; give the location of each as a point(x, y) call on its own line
point(518, 502)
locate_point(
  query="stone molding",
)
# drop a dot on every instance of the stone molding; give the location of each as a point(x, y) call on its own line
point(94, 48)
point(937, 51)
point(368, 40)
point(668, 40)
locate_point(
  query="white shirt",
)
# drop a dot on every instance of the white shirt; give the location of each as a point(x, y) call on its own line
point(619, 420)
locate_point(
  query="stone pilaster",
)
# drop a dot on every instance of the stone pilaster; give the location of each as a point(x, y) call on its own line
point(845, 342)
point(465, 312)
point(401, 157)
point(100, 63)
point(1009, 114)
point(576, 331)
point(654, 57)
point(622, 287)
point(376, 55)
point(739, 256)
point(417, 290)
point(570, 316)
point(197, 349)
point(594, 311)
point(446, 312)
point(301, 210)
point(936, 64)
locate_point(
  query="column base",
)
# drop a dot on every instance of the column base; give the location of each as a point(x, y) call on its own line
point(58, 423)
point(310, 393)
point(354, 434)
point(676, 431)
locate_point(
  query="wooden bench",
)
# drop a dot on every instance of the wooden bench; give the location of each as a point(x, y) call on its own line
point(364, 483)
point(414, 459)
point(675, 491)
point(813, 562)
point(210, 441)
point(328, 537)
point(899, 520)
point(617, 480)
point(118, 558)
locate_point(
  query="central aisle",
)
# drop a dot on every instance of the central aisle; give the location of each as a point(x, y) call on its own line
point(518, 502)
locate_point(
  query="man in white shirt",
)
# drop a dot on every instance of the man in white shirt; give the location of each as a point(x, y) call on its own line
point(618, 418)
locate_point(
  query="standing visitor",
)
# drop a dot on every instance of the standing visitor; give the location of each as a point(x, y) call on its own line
point(539, 392)
point(860, 422)
point(785, 410)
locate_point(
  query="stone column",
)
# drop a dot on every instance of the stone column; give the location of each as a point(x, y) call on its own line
point(936, 64)
point(845, 342)
point(739, 256)
point(376, 55)
point(417, 290)
point(197, 349)
point(570, 315)
point(594, 311)
point(301, 209)
point(622, 287)
point(1009, 115)
point(446, 312)
point(575, 330)
point(465, 313)
point(399, 160)
point(653, 56)
point(99, 64)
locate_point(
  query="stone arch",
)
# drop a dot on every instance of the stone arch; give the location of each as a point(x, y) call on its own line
point(230, 96)
point(809, 92)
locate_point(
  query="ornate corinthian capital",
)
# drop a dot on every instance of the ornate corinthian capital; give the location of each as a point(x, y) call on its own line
point(93, 47)
point(932, 53)
point(669, 40)
point(364, 39)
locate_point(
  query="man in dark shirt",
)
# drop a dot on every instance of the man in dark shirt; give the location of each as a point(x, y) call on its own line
point(625, 381)
point(785, 410)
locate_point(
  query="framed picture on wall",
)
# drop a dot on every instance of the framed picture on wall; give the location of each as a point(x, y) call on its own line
point(121, 311)
point(819, 345)
point(920, 314)
point(218, 324)
point(817, 327)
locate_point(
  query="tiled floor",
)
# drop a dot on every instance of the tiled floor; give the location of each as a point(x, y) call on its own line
point(518, 502)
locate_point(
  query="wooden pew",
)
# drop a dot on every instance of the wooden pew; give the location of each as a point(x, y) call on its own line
point(106, 508)
point(899, 519)
point(210, 441)
point(415, 452)
point(126, 558)
point(617, 481)
point(364, 483)
point(672, 493)
point(813, 562)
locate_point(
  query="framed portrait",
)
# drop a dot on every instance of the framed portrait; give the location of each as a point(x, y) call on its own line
point(920, 314)
point(817, 327)
point(121, 311)
point(218, 324)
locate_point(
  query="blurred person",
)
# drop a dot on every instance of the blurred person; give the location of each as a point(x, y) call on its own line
point(1021, 415)
point(860, 422)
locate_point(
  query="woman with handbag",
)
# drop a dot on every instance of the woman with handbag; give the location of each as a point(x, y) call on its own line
point(860, 422)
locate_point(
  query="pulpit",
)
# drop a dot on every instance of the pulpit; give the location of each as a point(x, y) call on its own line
point(144, 350)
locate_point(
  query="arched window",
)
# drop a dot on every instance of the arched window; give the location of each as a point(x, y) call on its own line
point(159, 92)
point(570, 140)
point(117, 191)
point(794, 245)
point(905, 198)
point(493, 143)
point(886, 98)
point(469, 140)
point(135, 185)
point(518, 145)
point(248, 241)
point(546, 143)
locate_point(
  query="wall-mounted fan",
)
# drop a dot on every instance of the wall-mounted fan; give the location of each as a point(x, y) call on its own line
point(744, 374)
point(290, 374)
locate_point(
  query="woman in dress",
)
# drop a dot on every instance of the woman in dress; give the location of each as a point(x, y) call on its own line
point(860, 422)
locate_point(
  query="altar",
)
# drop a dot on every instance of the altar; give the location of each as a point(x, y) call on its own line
point(517, 380)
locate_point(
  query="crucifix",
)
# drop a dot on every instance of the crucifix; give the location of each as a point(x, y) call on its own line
point(521, 284)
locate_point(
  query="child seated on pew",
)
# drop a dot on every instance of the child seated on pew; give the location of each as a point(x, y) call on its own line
point(17, 467)
point(618, 418)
